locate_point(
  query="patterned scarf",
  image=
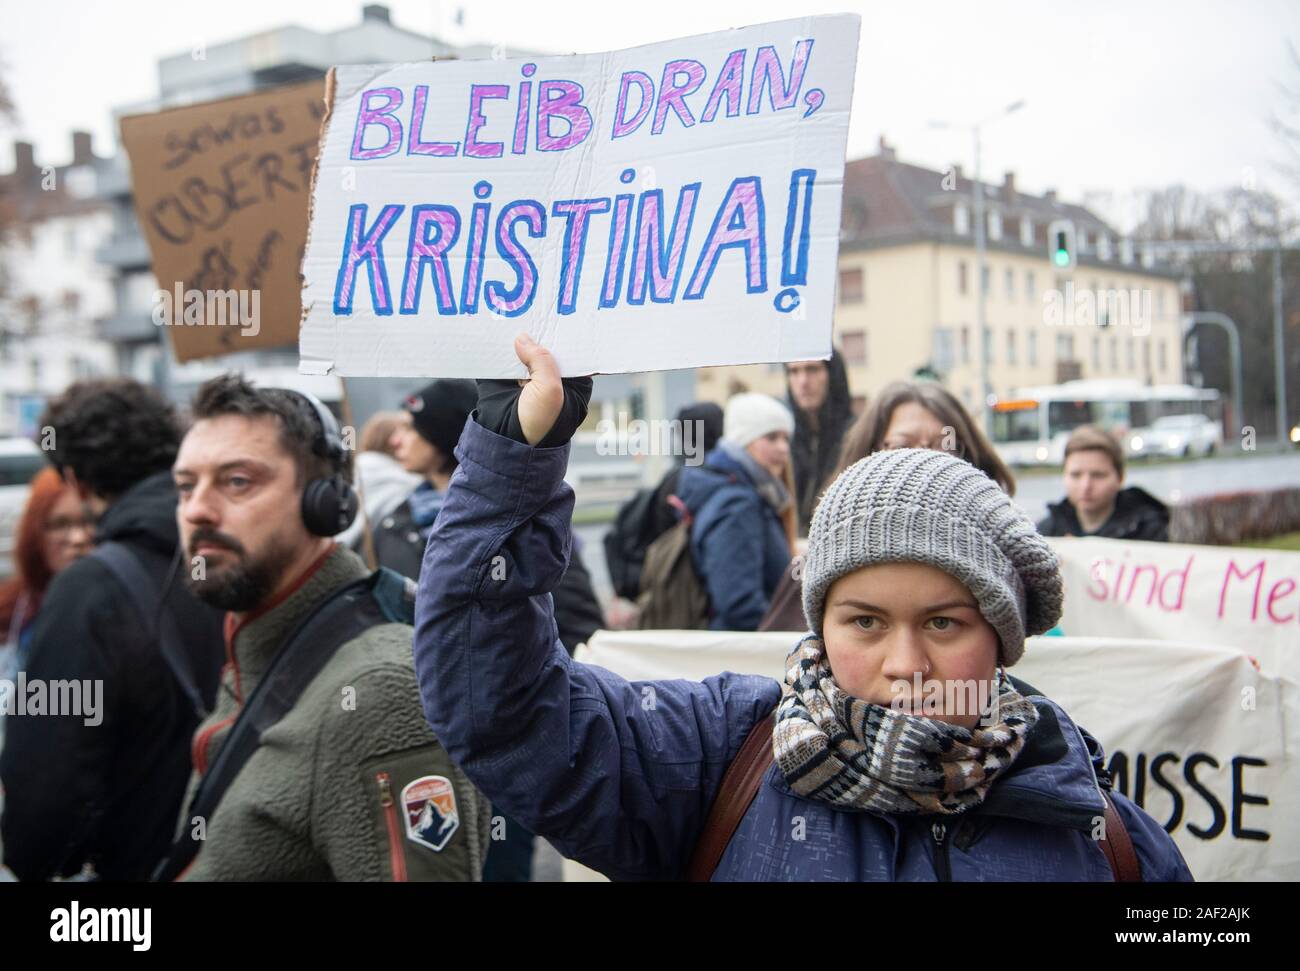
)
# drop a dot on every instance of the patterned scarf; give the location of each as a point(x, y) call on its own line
point(853, 754)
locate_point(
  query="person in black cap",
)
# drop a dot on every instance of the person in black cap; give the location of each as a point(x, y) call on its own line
point(424, 445)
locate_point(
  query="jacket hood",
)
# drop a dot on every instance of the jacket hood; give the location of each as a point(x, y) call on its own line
point(815, 452)
point(144, 514)
point(697, 483)
point(837, 409)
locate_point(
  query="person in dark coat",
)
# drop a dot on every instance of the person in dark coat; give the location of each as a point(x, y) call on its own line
point(649, 514)
point(105, 789)
point(425, 445)
point(1096, 502)
point(818, 393)
point(1011, 790)
point(742, 511)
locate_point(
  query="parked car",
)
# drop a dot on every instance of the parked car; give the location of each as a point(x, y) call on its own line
point(20, 460)
point(1177, 436)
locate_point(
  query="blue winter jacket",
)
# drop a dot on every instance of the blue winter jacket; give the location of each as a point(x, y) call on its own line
point(621, 775)
point(737, 541)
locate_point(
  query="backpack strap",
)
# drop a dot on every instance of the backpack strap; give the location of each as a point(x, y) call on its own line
point(735, 795)
point(156, 617)
point(344, 615)
point(1118, 846)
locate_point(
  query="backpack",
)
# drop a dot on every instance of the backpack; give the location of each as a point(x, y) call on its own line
point(639, 523)
point(673, 596)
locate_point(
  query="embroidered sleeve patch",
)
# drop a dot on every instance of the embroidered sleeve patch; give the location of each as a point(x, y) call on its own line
point(430, 806)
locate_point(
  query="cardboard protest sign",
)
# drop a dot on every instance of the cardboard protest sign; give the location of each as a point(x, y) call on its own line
point(222, 191)
point(1246, 599)
point(666, 206)
point(1194, 734)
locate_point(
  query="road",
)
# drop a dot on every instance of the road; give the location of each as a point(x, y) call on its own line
point(1171, 482)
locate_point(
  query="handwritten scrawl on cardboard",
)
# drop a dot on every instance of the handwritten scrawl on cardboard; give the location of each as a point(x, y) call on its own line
point(221, 190)
point(667, 206)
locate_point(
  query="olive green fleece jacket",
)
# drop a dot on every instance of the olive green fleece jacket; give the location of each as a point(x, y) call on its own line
point(345, 786)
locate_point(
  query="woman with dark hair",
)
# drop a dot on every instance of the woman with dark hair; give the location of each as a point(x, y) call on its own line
point(54, 532)
point(923, 414)
point(906, 414)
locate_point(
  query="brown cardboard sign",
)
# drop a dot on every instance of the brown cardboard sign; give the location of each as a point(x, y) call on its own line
point(222, 191)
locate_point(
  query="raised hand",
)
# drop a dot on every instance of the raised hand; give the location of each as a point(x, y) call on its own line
point(544, 410)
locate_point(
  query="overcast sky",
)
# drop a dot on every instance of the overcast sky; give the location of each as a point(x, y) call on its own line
point(1119, 95)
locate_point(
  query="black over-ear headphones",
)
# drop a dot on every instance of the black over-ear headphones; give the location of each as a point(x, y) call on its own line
point(329, 504)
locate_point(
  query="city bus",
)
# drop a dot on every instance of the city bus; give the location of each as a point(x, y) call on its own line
point(1030, 428)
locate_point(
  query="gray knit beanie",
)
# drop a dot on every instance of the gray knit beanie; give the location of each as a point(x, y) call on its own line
point(914, 505)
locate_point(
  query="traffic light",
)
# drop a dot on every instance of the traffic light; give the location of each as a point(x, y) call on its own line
point(1060, 244)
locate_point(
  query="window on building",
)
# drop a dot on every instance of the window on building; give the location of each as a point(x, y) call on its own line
point(943, 353)
point(1031, 290)
point(1146, 357)
point(1130, 355)
point(1160, 355)
point(988, 345)
point(995, 225)
point(1009, 278)
point(1011, 347)
point(1026, 231)
point(960, 219)
point(853, 285)
point(961, 276)
point(1114, 353)
point(965, 345)
point(1032, 349)
point(1096, 352)
point(853, 345)
point(984, 280)
point(1160, 304)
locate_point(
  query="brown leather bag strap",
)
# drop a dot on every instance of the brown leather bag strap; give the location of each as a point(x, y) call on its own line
point(1118, 847)
point(739, 787)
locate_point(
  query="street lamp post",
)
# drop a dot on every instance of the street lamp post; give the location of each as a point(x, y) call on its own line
point(977, 205)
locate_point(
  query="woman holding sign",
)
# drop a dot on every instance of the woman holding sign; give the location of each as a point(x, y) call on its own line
point(921, 578)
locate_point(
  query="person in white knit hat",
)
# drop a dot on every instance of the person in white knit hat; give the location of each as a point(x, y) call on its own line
point(742, 509)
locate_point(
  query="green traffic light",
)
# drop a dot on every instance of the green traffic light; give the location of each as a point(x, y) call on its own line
point(1062, 257)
